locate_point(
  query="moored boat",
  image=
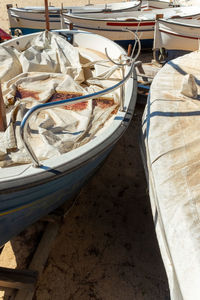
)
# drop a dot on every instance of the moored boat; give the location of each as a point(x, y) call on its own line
point(32, 19)
point(66, 140)
point(175, 37)
point(157, 4)
point(170, 151)
point(140, 22)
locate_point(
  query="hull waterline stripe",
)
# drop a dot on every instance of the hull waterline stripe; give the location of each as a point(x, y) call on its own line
point(180, 35)
point(109, 30)
point(130, 24)
point(38, 20)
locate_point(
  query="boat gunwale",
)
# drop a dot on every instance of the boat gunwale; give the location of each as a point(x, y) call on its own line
point(54, 167)
point(58, 9)
point(145, 13)
point(171, 21)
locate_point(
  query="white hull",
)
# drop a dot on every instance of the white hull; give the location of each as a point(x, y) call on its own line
point(140, 22)
point(177, 34)
point(34, 17)
point(158, 4)
point(26, 192)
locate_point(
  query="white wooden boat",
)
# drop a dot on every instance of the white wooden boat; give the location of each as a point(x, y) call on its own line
point(175, 37)
point(170, 150)
point(28, 192)
point(157, 4)
point(32, 19)
point(140, 22)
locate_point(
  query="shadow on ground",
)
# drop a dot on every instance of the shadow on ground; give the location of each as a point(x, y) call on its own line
point(107, 248)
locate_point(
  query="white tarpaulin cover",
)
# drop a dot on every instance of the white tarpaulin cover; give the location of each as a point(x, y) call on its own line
point(171, 140)
point(51, 69)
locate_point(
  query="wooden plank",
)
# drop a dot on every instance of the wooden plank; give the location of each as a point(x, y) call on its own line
point(18, 279)
point(40, 257)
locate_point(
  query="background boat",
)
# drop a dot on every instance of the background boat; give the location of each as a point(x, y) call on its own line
point(140, 22)
point(32, 19)
point(156, 4)
point(27, 193)
point(175, 37)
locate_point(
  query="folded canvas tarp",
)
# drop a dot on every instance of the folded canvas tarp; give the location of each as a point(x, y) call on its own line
point(50, 69)
point(171, 148)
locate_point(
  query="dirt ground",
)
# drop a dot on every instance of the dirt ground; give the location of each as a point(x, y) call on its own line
point(106, 248)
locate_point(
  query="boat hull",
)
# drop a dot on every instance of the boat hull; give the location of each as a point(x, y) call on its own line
point(32, 19)
point(177, 36)
point(30, 203)
point(28, 193)
point(116, 29)
point(119, 28)
point(156, 4)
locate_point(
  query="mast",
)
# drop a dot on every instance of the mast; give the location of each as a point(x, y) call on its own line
point(46, 15)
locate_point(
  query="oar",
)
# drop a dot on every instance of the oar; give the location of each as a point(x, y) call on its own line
point(46, 14)
point(2, 112)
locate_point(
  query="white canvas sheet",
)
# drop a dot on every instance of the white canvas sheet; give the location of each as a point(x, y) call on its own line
point(171, 125)
point(51, 69)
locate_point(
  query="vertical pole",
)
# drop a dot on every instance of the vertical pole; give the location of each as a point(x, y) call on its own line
point(46, 14)
point(62, 23)
point(129, 50)
point(2, 112)
point(71, 26)
point(122, 91)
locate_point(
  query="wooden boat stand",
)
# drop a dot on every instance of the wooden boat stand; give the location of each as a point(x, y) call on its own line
point(145, 75)
point(21, 284)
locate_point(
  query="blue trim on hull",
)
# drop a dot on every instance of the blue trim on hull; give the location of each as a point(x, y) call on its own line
point(146, 44)
point(172, 54)
point(25, 30)
point(40, 200)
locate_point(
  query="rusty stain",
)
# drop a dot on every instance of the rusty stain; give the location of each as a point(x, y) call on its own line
point(69, 95)
point(103, 102)
point(114, 112)
point(23, 93)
